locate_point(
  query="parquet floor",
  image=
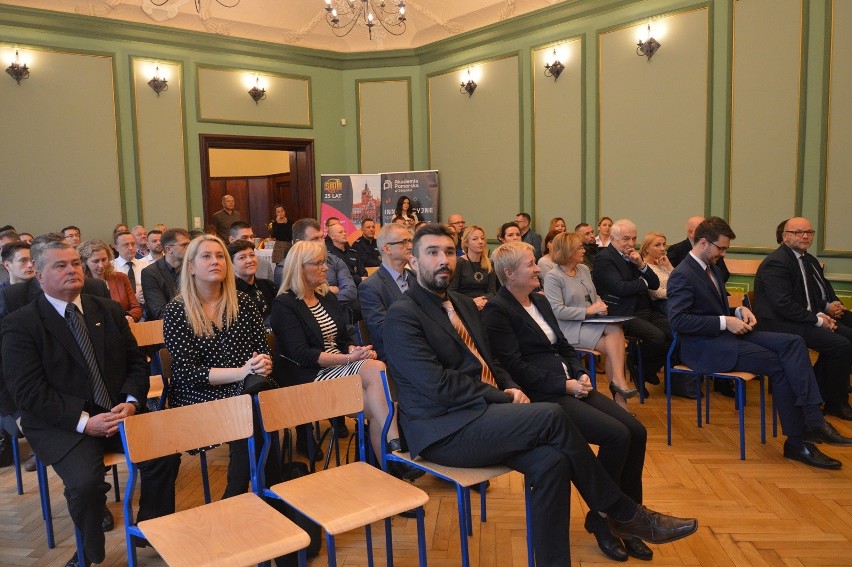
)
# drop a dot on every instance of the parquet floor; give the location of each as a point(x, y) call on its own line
point(762, 511)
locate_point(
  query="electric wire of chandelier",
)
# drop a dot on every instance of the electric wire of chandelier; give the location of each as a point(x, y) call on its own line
point(343, 15)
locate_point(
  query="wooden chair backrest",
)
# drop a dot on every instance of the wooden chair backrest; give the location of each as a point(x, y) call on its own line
point(148, 332)
point(736, 298)
point(159, 433)
point(742, 267)
point(372, 270)
point(295, 405)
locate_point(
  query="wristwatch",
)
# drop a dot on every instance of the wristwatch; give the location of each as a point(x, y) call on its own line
point(136, 405)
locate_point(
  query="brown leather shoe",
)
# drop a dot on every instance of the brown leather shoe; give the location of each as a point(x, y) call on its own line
point(652, 526)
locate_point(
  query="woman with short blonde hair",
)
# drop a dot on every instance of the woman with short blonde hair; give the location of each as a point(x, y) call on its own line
point(653, 251)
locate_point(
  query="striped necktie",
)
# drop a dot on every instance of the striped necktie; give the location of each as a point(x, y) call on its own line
point(77, 324)
point(457, 324)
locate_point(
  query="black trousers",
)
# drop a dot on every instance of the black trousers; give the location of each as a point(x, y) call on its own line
point(620, 437)
point(82, 473)
point(656, 334)
point(540, 441)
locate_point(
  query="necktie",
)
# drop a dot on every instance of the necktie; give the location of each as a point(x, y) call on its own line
point(818, 279)
point(457, 324)
point(77, 324)
point(805, 279)
point(131, 276)
point(402, 282)
point(713, 281)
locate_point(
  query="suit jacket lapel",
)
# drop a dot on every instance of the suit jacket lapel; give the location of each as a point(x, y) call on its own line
point(435, 312)
point(702, 275)
point(390, 285)
point(519, 310)
point(57, 327)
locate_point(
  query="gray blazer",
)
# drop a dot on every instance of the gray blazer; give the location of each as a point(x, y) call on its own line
point(567, 297)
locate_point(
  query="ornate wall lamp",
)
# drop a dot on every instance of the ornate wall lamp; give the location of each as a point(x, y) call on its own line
point(648, 47)
point(158, 83)
point(17, 70)
point(469, 86)
point(256, 93)
point(553, 69)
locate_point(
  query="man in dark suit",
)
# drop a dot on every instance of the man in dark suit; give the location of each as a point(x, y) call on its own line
point(74, 371)
point(622, 280)
point(715, 340)
point(388, 283)
point(458, 407)
point(677, 252)
point(366, 245)
point(793, 296)
point(160, 279)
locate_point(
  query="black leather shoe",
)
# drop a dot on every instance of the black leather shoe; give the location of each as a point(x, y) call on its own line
point(108, 522)
point(30, 463)
point(6, 456)
point(609, 544)
point(652, 379)
point(724, 387)
point(826, 433)
point(636, 548)
point(73, 562)
point(339, 424)
point(652, 526)
point(812, 456)
point(843, 411)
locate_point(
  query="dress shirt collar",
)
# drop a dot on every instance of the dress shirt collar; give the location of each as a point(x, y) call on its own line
point(700, 262)
point(121, 262)
point(60, 304)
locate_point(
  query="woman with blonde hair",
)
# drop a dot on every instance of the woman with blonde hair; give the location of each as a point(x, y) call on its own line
point(474, 276)
point(216, 339)
point(557, 224)
point(97, 263)
point(575, 302)
point(653, 251)
point(315, 341)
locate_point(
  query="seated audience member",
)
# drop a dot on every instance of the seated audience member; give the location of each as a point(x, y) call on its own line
point(557, 224)
point(71, 234)
point(70, 411)
point(509, 232)
point(315, 341)
point(141, 235)
point(155, 246)
point(366, 246)
point(224, 218)
point(261, 291)
point(793, 296)
point(653, 251)
point(128, 264)
point(456, 221)
point(575, 303)
point(243, 231)
point(526, 340)
point(18, 262)
point(460, 408)
point(404, 213)
point(216, 338)
point(474, 276)
point(26, 237)
point(280, 228)
point(340, 281)
point(6, 237)
point(714, 338)
point(159, 226)
point(97, 263)
point(604, 232)
point(528, 235)
point(388, 283)
point(546, 263)
point(331, 221)
point(588, 234)
point(337, 245)
point(622, 280)
point(120, 227)
point(161, 280)
point(677, 252)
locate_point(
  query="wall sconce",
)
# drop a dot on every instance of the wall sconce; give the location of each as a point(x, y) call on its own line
point(648, 47)
point(256, 93)
point(159, 84)
point(553, 69)
point(17, 70)
point(469, 86)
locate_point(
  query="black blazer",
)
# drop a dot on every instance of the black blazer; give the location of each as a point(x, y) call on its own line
point(525, 351)
point(780, 303)
point(299, 340)
point(47, 376)
point(377, 293)
point(619, 282)
point(678, 252)
point(159, 286)
point(437, 377)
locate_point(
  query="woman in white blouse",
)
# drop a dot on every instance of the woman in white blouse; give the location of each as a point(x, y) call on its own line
point(653, 251)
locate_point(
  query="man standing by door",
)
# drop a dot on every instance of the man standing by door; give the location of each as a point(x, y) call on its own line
point(223, 219)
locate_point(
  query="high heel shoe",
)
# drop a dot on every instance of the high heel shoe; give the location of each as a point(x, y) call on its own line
point(626, 394)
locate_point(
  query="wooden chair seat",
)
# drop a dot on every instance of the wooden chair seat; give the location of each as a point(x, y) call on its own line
point(733, 374)
point(350, 496)
point(466, 477)
point(216, 534)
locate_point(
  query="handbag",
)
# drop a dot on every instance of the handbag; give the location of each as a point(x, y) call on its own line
point(255, 383)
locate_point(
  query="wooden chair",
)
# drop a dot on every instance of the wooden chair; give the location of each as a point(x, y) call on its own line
point(241, 530)
point(150, 334)
point(739, 379)
point(341, 498)
point(462, 477)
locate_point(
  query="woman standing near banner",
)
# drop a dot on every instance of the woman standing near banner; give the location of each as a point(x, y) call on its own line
point(404, 213)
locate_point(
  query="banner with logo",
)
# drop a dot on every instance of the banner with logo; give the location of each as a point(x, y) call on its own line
point(421, 187)
point(350, 198)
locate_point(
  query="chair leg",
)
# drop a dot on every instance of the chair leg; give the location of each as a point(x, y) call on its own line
point(81, 554)
point(463, 519)
point(527, 498)
point(421, 536)
point(330, 550)
point(388, 542)
point(16, 459)
point(668, 403)
point(44, 494)
point(593, 372)
point(740, 399)
point(762, 412)
point(369, 537)
point(205, 478)
point(698, 403)
point(482, 502)
point(469, 509)
point(115, 486)
point(707, 381)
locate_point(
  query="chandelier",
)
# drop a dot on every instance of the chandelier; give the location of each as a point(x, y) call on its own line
point(343, 15)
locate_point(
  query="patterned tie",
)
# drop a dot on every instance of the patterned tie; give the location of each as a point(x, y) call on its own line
point(131, 276)
point(77, 324)
point(805, 279)
point(402, 282)
point(457, 324)
point(713, 281)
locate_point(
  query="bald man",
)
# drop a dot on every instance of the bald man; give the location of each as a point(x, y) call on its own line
point(677, 252)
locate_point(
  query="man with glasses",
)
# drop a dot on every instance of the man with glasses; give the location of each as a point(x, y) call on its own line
point(793, 296)
point(388, 283)
point(160, 279)
point(714, 338)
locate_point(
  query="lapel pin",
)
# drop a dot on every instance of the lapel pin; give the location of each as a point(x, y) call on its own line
point(97, 324)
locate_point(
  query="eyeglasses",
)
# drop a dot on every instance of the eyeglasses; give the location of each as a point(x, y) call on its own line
point(317, 264)
point(801, 233)
point(720, 248)
point(404, 241)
